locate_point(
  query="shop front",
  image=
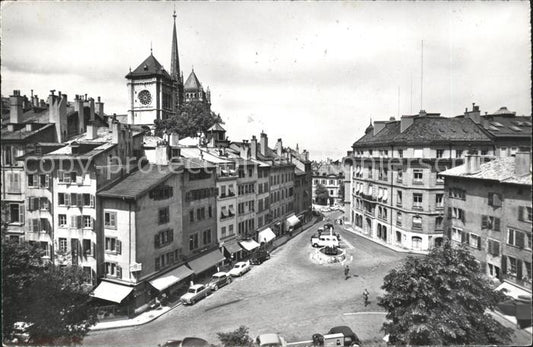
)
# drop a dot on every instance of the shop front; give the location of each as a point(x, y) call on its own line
point(206, 265)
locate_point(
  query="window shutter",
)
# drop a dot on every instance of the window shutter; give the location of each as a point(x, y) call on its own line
point(119, 271)
point(496, 224)
point(47, 181)
point(79, 222)
point(519, 239)
point(449, 216)
point(36, 225)
point(521, 213)
point(30, 225)
point(463, 237)
point(467, 238)
point(519, 269)
point(484, 222)
point(92, 200)
point(479, 243)
point(504, 265)
point(29, 202)
point(21, 213)
point(119, 247)
point(156, 241)
point(73, 221)
point(66, 198)
point(37, 204)
point(171, 235)
point(73, 199)
point(463, 216)
point(79, 199)
point(491, 197)
point(497, 201)
point(93, 249)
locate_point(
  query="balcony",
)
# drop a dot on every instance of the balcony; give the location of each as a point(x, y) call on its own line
point(228, 195)
point(369, 197)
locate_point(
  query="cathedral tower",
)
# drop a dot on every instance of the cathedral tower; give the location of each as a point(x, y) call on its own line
point(175, 71)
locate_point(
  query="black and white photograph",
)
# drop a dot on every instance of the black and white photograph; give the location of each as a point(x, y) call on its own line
point(266, 173)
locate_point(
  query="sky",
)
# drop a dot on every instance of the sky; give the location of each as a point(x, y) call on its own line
point(312, 73)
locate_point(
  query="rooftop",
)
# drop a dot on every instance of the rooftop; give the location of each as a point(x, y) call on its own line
point(22, 133)
point(149, 67)
point(192, 82)
point(501, 169)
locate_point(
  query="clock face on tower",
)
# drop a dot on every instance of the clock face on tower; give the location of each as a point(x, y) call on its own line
point(145, 97)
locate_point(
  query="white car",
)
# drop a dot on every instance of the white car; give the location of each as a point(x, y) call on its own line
point(240, 269)
point(270, 340)
point(195, 293)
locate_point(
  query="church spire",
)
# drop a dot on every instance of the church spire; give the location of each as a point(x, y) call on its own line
point(175, 59)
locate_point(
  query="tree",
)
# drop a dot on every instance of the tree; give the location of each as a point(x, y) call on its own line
point(322, 194)
point(53, 301)
point(441, 299)
point(238, 337)
point(191, 118)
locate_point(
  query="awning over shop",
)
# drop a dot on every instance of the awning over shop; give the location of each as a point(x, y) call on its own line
point(266, 235)
point(111, 292)
point(512, 291)
point(206, 261)
point(292, 221)
point(249, 245)
point(172, 277)
point(232, 246)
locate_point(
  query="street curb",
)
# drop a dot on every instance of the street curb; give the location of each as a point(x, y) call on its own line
point(385, 245)
point(141, 323)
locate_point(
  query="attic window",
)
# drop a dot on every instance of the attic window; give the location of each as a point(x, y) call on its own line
point(527, 124)
point(145, 67)
point(518, 123)
point(497, 124)
point(466, 131)
point(493, 128)
point(515, 128)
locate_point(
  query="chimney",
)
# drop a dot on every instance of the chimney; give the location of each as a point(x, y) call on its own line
point(162, 153)
point(78, 107)
point(263, 143)
point(522, 163)
point(406, 122)
point(253, 147)
point(279, 147)
point(15, 112)
point(474, 115)
point(58, 114)
point(99, 107)
point(91, 132)
point(115, 129)
point(306, 154)
point(90, 103)
point(378, 125)
point(245, 150)
point(473, 163)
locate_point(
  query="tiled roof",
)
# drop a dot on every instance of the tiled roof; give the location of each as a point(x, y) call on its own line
point(328, 169)
point(500, 169)
point(192, 82)
point(23, 134)
point(149, 67)
point(426, 130)
point(138, 182)
point(507, 125)
point(216, 127)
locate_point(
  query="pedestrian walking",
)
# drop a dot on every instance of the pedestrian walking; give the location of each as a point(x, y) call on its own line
point(346, 272)
point(365, 296)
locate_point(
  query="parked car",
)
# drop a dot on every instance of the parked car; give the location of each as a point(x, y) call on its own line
point(240, 269)
point(324, 241)
point(187, 342)
point(195, 293)
point(270, 340)
point(259, 257)
point(218, 280)
point(350, 338)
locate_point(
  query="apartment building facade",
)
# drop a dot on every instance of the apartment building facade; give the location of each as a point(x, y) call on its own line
point(489, 211)
point(330, 175)
point(397, 196)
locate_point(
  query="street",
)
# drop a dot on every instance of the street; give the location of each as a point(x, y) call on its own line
point(287, 294)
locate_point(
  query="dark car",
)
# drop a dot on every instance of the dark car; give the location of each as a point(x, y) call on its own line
point(350, 338)
point(187, 342)
point(218, 280)
point(259, 256)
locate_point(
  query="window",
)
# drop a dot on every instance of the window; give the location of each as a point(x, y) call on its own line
point(493, 248)
point(399, 219)
point(87, 247)
point(418, 153)
point(457, 234)
point(491, 223)
point(193, 242)
point(32, 182)
point(440, 153)
point(475, 241)
point(88, 200)
point(520, 239)
point(223, 232)
point(495, 200)
point(458, 153)
point(439, 200)
point(207, 237)
point(62, 220)
point(63, 245)
point(200, 213)
point(457, 193)
point(417, 242)
point(87, 222)
point(438, 223)
point(399, 175)
point(512, 266)
point(230, 229)
point(112, 269)
point(16, 213)
point(110, 220)
point(163, 238)
point(13, 182)
point(524, 213)
point(417, 176)
point(458, 213)
point(113, 245)
point(417, 222)
point(400, 153)
point(191, 216)
point(417, 201)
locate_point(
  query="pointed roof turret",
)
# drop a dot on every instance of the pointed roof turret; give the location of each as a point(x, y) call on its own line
point(216, 127)
point(192, 82)
point(175, 59)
